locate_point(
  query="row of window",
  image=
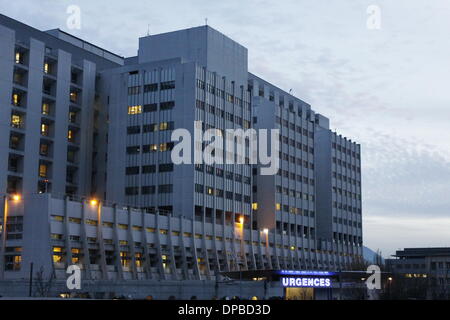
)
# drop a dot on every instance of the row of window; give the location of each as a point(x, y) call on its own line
point(162, 188)
point(223, 114)
point(346, 150)
point(347, 238)
point(298, 145)
point(167, 146)
point(294, 127)
point(339, 205)
point(222, 94)
point(293, 176)
point(346, 179)
point(199, 188)
point(152, 87)
point(295, 194)
point(346, 193)
point(152, 107)
point(294, 160)
point(294, 210)
point(347, 222)
point(347, 165)
point(153, 127)
point(164, 167)
point(220, 173)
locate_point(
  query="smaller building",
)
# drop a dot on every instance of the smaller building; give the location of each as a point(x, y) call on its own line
point(430, 264)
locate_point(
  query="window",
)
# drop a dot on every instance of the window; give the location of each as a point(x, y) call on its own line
point(44, 149)
point(133, 129)
point(45, 109)
point(167, 105)
point(134, 90)
point(166, 167)
point(150, 107)
point(132, 170)
point(150, 127)
point(130, 191)
point(43, 170)
point(133, 150)
point(198, 188)
point(151, 87)
point(165, 188)
point(167, 85)
point(165, 146)
point(44, 129)
point(149, 169)
point(70, 135)
point(134, 109)
point(166, 126)
point(73, 97)
point(16, 121)
point(149, 148)
point(148, 189)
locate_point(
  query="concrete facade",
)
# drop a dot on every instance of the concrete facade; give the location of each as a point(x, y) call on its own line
point(83, 123)
point(50, 119)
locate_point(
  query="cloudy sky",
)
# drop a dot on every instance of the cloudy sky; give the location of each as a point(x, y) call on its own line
point(386, 88)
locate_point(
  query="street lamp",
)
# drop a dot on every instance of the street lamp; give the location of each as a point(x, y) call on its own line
point(93, 202)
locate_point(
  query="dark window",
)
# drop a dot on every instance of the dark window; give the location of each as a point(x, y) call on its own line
point(148, 189)
point(132, 170)
point(165, 188)
point(130, 191)
point(151, 87)
point(150, 107)
point(167, 85)
point(166, 167)
point(133, 129)
point(133, 150)
point(149, 169)
point(167, 105)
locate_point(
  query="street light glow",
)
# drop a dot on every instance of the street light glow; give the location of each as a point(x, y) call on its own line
point(16, 197)
point(93, 202)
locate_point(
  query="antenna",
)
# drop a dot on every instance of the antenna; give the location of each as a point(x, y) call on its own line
point(206, 21)
point(148, 29)
point(290, 91)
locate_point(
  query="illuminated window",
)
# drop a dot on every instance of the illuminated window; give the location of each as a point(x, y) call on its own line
point(16, 99)
point(45, 108)
point(70, 135)
point(44, 129)
point(163, 147)
point(138, 258)
point(164, 261)
point(163, 126)
point(124, 259)
point(255, 206)
point(75, 255)
point(209, 190)
point(18, 57)
point(277, 206)
point(57, 254)
point(16, 121)
point(43, 170)
point(46, 67)
point(134, 109)
point(73, 97)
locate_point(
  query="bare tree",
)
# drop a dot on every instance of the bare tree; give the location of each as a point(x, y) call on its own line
point(44, 286)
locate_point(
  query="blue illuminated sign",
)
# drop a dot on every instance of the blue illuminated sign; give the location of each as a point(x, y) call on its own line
point(306, 282)
point(305, 273)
